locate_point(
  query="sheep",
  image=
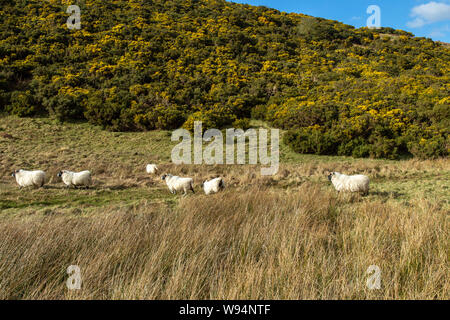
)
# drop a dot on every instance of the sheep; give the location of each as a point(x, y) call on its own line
point(26, 178)
point(355, 183)
point(175, 183)
point(76, 179)
point(152, 168)
point(213, 185)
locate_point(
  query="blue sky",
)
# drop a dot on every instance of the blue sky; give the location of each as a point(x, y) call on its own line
point(427, 18)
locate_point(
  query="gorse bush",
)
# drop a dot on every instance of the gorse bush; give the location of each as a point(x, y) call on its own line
point(217, 117)
point(22, 103)
point(311, 140)
point(141, 65)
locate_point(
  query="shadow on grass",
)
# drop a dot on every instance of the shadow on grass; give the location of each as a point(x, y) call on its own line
point(52, 187)
point(387, 194)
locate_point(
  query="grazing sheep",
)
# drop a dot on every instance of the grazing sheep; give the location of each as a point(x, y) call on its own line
point(213, 186)
point(152, 168)
point(26, 178)
point(356, 183)
point(76, 179)
point(176, 183)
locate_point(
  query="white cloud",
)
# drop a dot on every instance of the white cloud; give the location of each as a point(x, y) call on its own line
point(429, 13)
point(416, 23)
point(440, 32)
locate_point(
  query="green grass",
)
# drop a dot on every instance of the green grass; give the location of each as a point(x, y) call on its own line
point(117, 161)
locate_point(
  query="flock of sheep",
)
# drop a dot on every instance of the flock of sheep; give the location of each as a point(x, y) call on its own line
point(24, 178)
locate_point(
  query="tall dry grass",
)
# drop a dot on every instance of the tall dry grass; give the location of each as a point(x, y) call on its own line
point(255, 243)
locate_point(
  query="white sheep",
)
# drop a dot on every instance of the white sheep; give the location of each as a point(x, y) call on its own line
point(213, 185)
point(355, 183)
point(76, 179)
point(26, 178)
point(175, 183)
point(152, 168)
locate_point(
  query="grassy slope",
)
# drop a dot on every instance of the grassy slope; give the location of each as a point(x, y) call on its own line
point(401, 226)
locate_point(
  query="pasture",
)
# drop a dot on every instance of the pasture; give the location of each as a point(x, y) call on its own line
point(287, 236)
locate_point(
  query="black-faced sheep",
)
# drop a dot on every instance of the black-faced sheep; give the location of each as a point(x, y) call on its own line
point(26, 178)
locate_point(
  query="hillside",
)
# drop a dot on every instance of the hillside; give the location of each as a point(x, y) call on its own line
point(144, 65)
point(287, 236)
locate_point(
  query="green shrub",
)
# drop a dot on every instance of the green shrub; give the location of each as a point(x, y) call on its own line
point(434, 147)
point(242, 123)
point(259, 112)
point(357, 148)
point(23, 104)
point(217, 118)
point(381, 147)
point(66, 107)
point(314, 141)
point(158, 116)
point(108, 108)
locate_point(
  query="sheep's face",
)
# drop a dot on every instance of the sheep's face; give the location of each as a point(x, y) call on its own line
point(203, 183)
point(14, 173)
point(330, 176)
point(59, 174)
point(163, 177)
